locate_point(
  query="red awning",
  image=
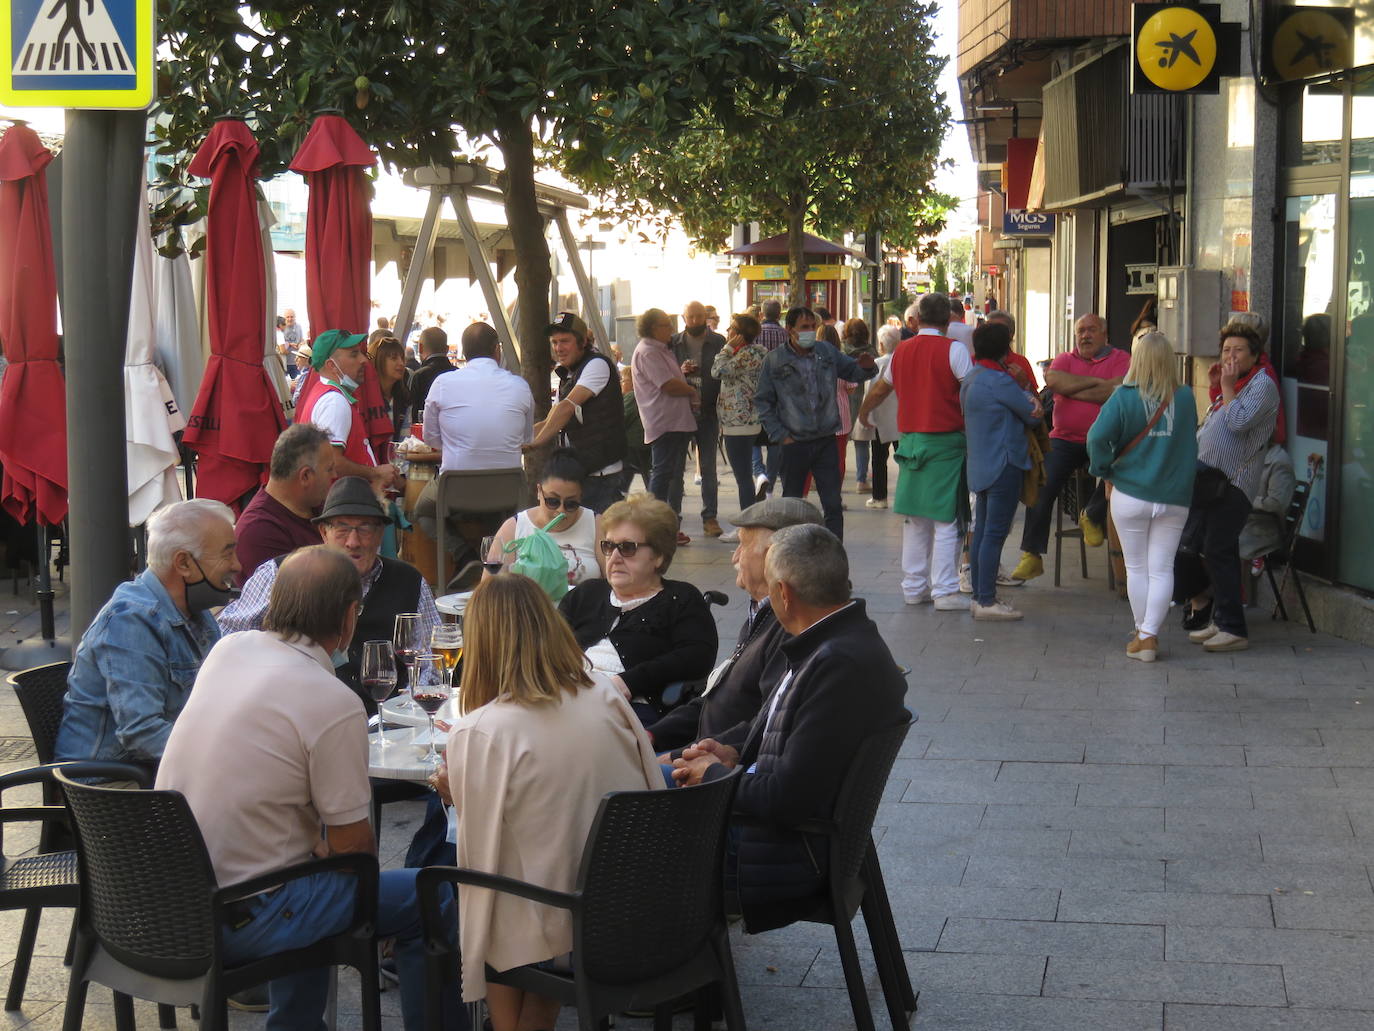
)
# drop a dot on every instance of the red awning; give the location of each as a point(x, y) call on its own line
point(33, 399)
point(237, 415)
point(338, 248)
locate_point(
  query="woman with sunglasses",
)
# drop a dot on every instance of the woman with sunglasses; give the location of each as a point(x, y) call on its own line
point(559, 491)
point(643, 631)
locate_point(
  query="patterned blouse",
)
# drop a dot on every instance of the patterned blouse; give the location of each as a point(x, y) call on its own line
point(738, 372)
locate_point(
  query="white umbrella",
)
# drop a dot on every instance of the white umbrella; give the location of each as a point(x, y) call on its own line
point(270, 359)
point(180, 353)
point(151, 414)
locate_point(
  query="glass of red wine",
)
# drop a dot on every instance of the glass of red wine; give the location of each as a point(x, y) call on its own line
point(379, 678)
point(430, 692)
point(405, 638)
point(493, 560)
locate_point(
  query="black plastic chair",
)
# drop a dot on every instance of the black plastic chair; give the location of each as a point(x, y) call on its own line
point(648, 911)
point(680, 692)
point(856, 881)
point(1283, 553)
point(151, 911)
point(40, 691)
point(47, 879)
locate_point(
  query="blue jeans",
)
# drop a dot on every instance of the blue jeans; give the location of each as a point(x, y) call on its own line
point(707, 437)
point(821, 458)
point(305, 911)
point(862, 449)
point(1063, 459)
point(993, 512)
point(601, 492)
point(669, 451)
point(768, 467)
point(740, 451)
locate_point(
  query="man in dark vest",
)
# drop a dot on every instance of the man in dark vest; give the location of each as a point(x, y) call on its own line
point(589, 416)
point(352, 522)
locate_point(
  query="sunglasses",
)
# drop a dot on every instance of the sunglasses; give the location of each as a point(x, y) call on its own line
point(626, 548)
point(553, 501)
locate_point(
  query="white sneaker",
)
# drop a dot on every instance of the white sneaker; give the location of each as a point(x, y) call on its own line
point(1004, 579)
point(697, 479)
point(729, 538)
point(998, 610)
point(917, 599)
point(951, 603)
point(875, 503)
point(965, 579)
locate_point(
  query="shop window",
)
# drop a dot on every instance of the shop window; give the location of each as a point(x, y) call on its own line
point(1313, 115)
point(1356, 562)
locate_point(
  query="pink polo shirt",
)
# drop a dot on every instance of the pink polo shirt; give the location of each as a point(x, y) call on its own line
point(654, 364)
point(1073, 418)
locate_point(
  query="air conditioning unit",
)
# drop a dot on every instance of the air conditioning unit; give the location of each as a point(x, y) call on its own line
point(1189, 309)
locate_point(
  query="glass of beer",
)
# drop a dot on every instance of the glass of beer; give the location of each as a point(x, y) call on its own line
point(447, 642)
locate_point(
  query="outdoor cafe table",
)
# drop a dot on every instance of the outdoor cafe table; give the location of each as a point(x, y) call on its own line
point(400, 759)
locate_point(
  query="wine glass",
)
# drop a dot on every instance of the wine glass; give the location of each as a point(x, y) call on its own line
point(405, 638)
point(430, 692)
point(446, 641)
point(379, 677)
point(492, 566)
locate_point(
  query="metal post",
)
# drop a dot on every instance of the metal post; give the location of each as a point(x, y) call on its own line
point(419, 258)
point(590, 305)
point(481, 267)
point(101, 184)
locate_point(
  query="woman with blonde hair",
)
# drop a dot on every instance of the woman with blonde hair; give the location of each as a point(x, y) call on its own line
point(1144, 445)
point(540, 741)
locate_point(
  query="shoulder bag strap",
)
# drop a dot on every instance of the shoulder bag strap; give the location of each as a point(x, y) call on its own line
point(1148, 427)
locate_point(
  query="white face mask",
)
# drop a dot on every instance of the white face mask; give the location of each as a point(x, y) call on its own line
point(806, 339)
point(345, 381)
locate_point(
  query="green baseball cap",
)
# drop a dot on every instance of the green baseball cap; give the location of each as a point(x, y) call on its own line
point(332, 340)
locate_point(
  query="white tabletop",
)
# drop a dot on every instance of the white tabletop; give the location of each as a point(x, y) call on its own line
point(415, 716)
point(400, 759)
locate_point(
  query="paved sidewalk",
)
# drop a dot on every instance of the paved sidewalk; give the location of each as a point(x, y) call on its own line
point(1070, 839)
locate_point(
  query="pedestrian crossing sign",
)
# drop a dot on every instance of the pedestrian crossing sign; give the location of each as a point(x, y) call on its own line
point(77, 53)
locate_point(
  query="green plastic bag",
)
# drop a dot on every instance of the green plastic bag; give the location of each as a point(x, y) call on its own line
point(542, 560)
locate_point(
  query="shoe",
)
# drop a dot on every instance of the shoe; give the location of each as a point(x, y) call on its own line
point(951, 603)
point(682, 539)
point(697, 479)
point(387, 968)
point(917, 599)
point(710, 527)
point(1196, 619)
point(1092, 533)
point(965, 579)
point(763, 486)
point(998, 611)
point(863, 488)
point(875, 503)
point(1204, 634)
point(1222, 641)
point(1146, 649)
point(1003, 580)
point(1030, 566)
point(729, 538)
point(251, 1000)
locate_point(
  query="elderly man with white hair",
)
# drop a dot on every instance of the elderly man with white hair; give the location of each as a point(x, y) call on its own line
point(139, 657)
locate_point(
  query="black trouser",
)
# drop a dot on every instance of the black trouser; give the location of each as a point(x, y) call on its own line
point(877, 467)
point(1064, 459)
point(1215, 532)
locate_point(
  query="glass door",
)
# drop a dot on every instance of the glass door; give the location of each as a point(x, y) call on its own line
point(1355, 564)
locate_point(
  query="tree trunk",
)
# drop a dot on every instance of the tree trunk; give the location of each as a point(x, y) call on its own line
point(532, 268)
point(796, 251)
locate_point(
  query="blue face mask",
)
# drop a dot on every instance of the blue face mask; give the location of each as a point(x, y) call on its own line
point(806, 339)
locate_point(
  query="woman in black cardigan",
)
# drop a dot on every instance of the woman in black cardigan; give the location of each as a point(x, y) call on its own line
point(643, 630)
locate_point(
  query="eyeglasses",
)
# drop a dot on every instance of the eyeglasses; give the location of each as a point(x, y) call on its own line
point(626, 548)
point(363, 530)
point(567, 504)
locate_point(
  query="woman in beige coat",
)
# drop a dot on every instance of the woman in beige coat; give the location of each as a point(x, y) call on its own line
point(541, 740)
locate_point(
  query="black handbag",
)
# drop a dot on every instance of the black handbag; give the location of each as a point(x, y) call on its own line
point(1209, 486)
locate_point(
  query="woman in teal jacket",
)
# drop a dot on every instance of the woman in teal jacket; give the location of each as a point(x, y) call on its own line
point(1151, 479)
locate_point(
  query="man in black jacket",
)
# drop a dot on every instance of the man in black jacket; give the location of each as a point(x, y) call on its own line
point(840, 686)
point(434, 348)
point(736, 688)
point(696, 348)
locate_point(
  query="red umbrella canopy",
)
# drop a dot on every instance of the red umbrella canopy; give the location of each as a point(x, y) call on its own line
point(33, 399)
point(338, 247)
point(237, 415)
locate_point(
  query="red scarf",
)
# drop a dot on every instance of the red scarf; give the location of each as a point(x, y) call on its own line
point(1214, 390)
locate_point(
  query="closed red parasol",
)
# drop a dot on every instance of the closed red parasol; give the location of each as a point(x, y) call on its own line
point(338, 248)
point(237, 415)
point(33, 399)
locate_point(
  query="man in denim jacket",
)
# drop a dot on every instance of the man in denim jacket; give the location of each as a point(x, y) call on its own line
point(796, 403)
point(134, 668)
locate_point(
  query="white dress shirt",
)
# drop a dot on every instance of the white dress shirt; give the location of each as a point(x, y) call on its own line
point(478, 416)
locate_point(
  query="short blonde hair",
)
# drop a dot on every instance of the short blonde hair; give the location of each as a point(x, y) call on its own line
point(516, 644)
point(655, 519)
point(1153, 370)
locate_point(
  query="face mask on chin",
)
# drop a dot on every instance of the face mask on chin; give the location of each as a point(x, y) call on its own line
point(204, 594)
point(346, 381)
point(806, 339)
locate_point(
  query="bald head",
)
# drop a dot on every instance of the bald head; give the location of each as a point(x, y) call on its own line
point(694, 318)
point(315, 596)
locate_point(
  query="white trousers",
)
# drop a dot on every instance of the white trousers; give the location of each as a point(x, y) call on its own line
point(1149, 535)
point(927, 544)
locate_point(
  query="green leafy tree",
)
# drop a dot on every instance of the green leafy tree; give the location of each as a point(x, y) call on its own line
point(958, 255)
point(538, 80)
point(939, 276)
point(853, 149)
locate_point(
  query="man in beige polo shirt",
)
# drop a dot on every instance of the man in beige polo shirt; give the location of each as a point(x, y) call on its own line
point(267, 708)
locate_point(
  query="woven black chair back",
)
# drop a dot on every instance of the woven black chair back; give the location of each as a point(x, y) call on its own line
point(1292, 519)
point(146, 878)
point(651, 876)
point(40, 691)
point(856, 806)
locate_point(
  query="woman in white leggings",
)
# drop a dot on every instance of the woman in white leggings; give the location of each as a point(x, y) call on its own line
point(1144, 443)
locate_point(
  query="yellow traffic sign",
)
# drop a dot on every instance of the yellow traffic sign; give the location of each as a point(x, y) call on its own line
point(1176, 48)
point(77, 53)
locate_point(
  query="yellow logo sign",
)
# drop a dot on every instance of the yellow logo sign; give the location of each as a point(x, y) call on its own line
point(1176, 48)
point(1310, 42)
